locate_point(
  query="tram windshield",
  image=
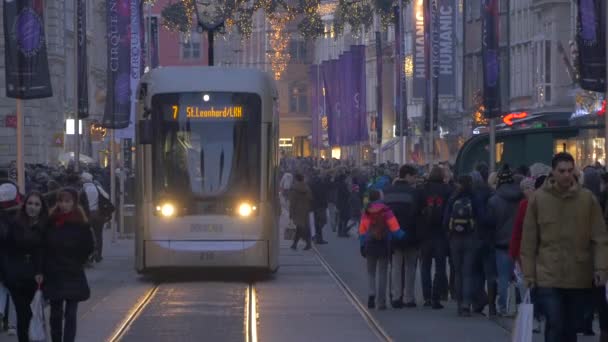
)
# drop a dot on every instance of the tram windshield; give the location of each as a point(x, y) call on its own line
point(207, 146)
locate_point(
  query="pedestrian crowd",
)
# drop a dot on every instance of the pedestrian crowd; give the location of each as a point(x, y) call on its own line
point(485, 240)
point(49, 232)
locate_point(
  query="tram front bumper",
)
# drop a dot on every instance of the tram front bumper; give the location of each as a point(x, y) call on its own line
point(206, 253)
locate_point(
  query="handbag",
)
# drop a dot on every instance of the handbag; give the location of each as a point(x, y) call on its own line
point(37, 329)
point(524, 322)
point(290, 231)
point(511, 309)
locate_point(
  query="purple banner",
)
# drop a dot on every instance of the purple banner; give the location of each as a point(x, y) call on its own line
point(379, 88)
point(489, 48)
point(26, 66)
point(82, 64)
point(152, 24)
point(314, 77)
point(118, 94)
point(359, 99)
point(591, 40)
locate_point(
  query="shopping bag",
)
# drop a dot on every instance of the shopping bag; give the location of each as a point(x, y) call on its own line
point(290, 231)
point(37, 331)
point(524, 322)
point(511, 309)
point(311, 223)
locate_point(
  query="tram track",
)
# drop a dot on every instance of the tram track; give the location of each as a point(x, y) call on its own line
point(158, 293)
point(373, 324)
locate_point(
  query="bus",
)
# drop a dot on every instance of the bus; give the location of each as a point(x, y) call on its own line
point(535, 145)
point(206, 170)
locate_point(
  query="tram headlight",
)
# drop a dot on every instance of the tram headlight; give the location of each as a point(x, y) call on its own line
point(245, 209)
point(166, 209)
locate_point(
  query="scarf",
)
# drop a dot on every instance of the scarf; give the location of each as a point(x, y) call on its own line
point(60, 219)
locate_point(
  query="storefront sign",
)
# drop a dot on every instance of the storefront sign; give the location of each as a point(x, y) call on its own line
point(508, 119)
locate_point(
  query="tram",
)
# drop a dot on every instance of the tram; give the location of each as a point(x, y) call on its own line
point(206, 166)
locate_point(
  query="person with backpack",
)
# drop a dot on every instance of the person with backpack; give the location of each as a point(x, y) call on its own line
point(433, 238)
point(403, 199)
point(502, 210)
point(460, 222)
point(98, 208)
point(378, 227)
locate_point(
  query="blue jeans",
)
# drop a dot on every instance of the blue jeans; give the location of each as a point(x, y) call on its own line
point(463, 249)
point(561, 308)
point(504, 266)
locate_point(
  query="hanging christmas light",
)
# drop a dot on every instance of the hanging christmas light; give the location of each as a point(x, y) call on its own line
point(279, 40)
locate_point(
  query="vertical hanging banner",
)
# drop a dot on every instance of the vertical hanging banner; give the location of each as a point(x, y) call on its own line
point(136, 64)
point(118, 93)
point(399, 131)
point(154, 57)
point(379, 56)
point(346, 102)
point(313, 76)
point(82, 64)
point(26, 64)
point(428, 84)
point(420, 50)
point(591, 41)
point(446, 49)
point(359, 97)
point(489, 51)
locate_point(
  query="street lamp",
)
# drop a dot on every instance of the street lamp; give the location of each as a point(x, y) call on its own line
point(210, 14)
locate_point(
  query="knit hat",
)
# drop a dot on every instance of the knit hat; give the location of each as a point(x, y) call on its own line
point(505, 176)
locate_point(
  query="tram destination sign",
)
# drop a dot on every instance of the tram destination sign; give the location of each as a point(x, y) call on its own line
point(211, 113)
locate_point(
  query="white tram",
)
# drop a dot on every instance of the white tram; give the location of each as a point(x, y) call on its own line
point(207, 162)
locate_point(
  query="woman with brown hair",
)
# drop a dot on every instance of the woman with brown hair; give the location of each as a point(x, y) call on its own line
point(69, 242)
point(23, 246)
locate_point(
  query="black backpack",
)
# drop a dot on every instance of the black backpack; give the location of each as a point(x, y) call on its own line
point(105, 207)
point(462, 219)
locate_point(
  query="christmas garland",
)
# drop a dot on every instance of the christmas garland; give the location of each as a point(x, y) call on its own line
point(358, 14)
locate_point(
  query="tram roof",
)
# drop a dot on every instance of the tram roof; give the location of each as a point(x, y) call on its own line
point(174, 79)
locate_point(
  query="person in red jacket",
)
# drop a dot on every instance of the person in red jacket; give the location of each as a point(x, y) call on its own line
point(528, 186)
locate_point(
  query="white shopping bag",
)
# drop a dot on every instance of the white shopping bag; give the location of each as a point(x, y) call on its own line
point(511, 300)
point(524, 322)
point(37, 331)
point(311, 221)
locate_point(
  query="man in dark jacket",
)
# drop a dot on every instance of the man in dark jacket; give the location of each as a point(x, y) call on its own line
point(319, 188)
point(300, 198)
point(433, 237)
point(502, 208)
point(403, 199)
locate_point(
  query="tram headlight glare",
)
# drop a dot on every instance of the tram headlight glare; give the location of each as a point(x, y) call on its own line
point(167, 210)
point(245, 209)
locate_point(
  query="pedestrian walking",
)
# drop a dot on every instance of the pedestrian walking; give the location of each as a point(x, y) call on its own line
point(378, 227)
point(319, 187)
point(404, 201)
point(564, 248)
point(434, 238)
point(68, 244)
point(460, 220)
point(300, 198)
point(502, 209)
point(23, 244)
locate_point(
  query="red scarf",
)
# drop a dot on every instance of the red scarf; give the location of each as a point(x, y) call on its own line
point(61, 218)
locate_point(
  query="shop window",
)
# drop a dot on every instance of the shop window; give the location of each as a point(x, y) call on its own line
point(298, 98)
point(191, 46)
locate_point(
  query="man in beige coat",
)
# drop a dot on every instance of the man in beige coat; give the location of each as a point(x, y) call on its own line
point(564, 249)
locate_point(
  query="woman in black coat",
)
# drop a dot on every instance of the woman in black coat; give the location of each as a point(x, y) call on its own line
point(23, 246)
point(69, 242)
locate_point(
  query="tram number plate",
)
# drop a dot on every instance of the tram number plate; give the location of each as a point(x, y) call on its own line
point(206, 228)
point(206, 256)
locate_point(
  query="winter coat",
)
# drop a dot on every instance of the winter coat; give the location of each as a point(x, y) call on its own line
point(428, 230)
point(518, 227)
point(67, 248)
point(378, 248)
point(23, 253)
point(300, 203)
point(404, 201)
point(343, 204)
point(502, 209)
point(565, 240)
point(319, 188)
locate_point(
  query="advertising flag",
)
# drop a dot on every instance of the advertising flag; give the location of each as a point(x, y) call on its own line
point(591, 41)
point(313, 75)
point(489, 51)
point(359, 98)
point(118, 94)
point(82, 64)
point(26, 65)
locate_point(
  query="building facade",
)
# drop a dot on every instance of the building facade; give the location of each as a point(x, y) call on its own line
point(44, 119)
point(535, 57)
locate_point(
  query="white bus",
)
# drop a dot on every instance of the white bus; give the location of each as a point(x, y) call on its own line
point(207, 163)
